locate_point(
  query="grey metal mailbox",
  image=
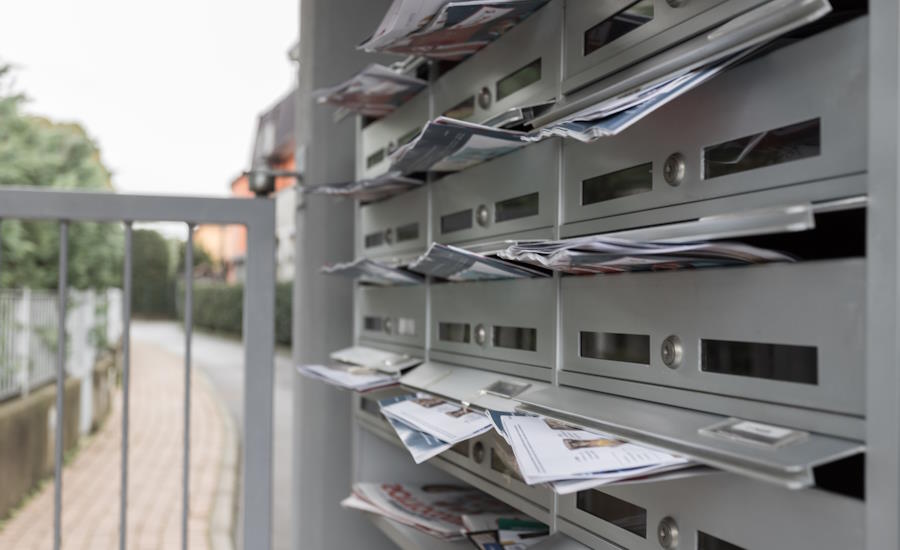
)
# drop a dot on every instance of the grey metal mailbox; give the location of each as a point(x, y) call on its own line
point(522, 67)
point(511, 195)
point(382, 137)
point(391, 315)
point(759, 126)
point(394, 228)
point(717, 512)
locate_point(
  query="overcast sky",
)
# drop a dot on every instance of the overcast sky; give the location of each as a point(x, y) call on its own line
point(170, 89)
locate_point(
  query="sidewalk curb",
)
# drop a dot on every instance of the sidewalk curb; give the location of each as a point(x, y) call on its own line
point(223, 512)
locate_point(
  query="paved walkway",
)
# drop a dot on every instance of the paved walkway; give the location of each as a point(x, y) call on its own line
point(91, 480)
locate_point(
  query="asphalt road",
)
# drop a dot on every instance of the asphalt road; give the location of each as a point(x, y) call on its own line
point(222, 360)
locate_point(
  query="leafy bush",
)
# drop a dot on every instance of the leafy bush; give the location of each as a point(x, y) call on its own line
point(219, 307)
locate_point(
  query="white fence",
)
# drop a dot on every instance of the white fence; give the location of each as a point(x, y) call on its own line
point(28, 337)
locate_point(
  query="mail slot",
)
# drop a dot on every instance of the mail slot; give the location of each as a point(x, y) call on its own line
point(761, 125)
point(514, 193)
point(522, 67)
point(511, 320)
point(382, 137)
point(391, 315)
point(603, 37)
point(712, 512)
point(395, 227)
point(778, 333)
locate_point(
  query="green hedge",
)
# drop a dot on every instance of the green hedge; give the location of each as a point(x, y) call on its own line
point(218, 307)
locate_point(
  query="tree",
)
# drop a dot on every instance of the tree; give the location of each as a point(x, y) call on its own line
point(153, 288)
point(37, 152)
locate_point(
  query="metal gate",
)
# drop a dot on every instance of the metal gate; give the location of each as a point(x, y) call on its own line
point(258, 216)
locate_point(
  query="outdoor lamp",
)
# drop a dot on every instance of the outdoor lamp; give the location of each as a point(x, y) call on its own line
point(262, 180)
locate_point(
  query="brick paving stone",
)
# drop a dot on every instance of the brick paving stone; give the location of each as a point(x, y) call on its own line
point(91, 481)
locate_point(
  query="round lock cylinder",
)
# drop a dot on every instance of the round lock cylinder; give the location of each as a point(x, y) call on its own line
point(389, 236)
point(485, 98)
point(480, 335)
point(388, 325)
point(391, 147)
point(482, 215)
point(674, 169)
point(667, 533)
point(671, 352)
point(478, 452)
point(676, 3)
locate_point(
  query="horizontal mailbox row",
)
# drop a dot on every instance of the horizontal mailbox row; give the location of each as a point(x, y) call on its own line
point(759, 333)
point(759, 127)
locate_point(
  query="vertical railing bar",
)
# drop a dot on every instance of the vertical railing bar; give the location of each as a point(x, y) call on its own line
point(188, 329)
point(126, 384)
point(60, 380)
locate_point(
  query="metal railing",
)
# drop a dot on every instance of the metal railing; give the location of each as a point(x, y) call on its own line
point(258, 215)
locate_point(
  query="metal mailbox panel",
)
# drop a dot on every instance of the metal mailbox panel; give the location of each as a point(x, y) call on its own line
point(782, 119)
point(602, 37)
point(720, 508)
point(394, 315)
point(394, 227)
point(522, 67)
point(782, 333)
point(517, 317)
point(380, 138)
point(517, 192)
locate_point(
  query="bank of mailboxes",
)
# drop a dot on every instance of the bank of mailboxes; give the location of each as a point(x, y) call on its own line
point(672, 359)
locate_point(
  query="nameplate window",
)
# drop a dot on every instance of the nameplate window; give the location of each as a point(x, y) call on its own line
point(408, 232)
point(462, 110)
point(709, 542)
point(782, 362)
point(616, 511)
point(454, 332)
point(635, 15)
point(621, 183)
point(456, 221)
point(373, 323)
point(628, 348)
point(516, 207)
point(375, 158)
point(406, 326)
point(520, 338)
point(374, 239)
point(769, 148)
point(526, 76)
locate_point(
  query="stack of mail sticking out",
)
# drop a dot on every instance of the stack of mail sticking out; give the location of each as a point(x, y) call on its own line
point(446, 30)
point(384, 361)
point(350, 377)
point(368, 190)
point(374, 272)
point(361, 368)
point(457, 264)
point(573, 459)
point(671, 246)
point(614, 115)
point(434, 509)
point(375, 91)
point(449, 145)
point(445, 421)
point(420, 445)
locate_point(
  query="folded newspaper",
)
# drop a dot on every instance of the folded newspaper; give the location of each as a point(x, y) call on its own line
point(350, 377)
point(373, 271)
point(420, 445)
point(369, 189)
point(446, 421)
point(573, 459)
point(458, 264)
point(375, 91)
point(670, 246)
point(434, 509)
point(446, 30)
point(383, 361)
